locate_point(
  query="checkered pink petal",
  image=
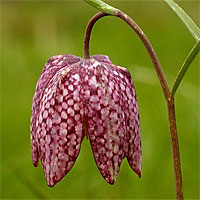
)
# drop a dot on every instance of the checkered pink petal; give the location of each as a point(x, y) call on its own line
point(51, 67)
point(134, 150)
point(91, 97)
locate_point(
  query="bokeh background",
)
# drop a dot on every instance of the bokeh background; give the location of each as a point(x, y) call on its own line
point(33, 31)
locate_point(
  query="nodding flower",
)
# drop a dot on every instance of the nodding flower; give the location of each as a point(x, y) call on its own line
point(77, 97)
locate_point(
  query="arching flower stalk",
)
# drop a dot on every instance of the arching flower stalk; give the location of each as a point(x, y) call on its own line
point(92, 97)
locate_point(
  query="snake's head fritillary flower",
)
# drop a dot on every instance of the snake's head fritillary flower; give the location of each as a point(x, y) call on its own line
point(77, 97)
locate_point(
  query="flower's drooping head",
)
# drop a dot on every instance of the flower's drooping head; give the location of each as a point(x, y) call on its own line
point(77, 97)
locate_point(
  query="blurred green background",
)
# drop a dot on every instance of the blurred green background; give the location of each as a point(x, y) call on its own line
point(33, 31)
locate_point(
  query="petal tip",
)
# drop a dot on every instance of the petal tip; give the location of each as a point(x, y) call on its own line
point(35, 164)
point(138, 172)
point(35, 160)
point(136, 166)
point(110, 181)
point(51, 182)
point(50, 185)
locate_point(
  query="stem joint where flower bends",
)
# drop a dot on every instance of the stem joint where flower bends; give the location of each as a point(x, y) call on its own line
point(143, 38)
point(102, 6)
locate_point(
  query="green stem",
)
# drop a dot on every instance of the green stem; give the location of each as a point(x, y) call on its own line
point(191, 56)
point(104, 7)
point(175, 149)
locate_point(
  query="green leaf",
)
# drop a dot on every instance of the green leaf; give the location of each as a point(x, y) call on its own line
point(192, 27)
point(191, 56)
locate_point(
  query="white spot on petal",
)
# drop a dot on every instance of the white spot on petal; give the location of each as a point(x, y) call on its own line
point(93, 81)
point(115, 72)
point(77, 117)
point(122, 86)
point(64, 105)
point(49, 122)
point(94, 98)
point(60, 98)
point(76, 76)
point(76, 106)
point(70, 87)
point(70, 111)
point(71, 152)
point(95, 64)
point(56, 119)
point(76, 95)
point(116, 148)
point(63, 132)
point(45, 114)
point(64, 115)
point(63, 125)
point(47, 105)
point(69, 121)
point(65, 92)
point(70, 102)
point(48, 139)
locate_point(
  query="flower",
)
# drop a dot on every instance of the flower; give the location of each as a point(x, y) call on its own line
point(77, 97)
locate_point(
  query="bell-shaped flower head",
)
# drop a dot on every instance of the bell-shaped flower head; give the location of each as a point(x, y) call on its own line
point(77, 97)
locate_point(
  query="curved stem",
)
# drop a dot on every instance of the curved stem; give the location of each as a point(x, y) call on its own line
point(88, 32)
point(150, 50)
point(163, 82)
point(141, 35)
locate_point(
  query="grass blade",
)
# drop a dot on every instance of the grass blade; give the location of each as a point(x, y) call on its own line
point(191, 56)
point(192, 27)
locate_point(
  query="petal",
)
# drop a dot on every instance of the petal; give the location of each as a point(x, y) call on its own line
point(102, 58)
point(105, 118)
point(60, 123)
point(51, 67)
point(134, 151)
